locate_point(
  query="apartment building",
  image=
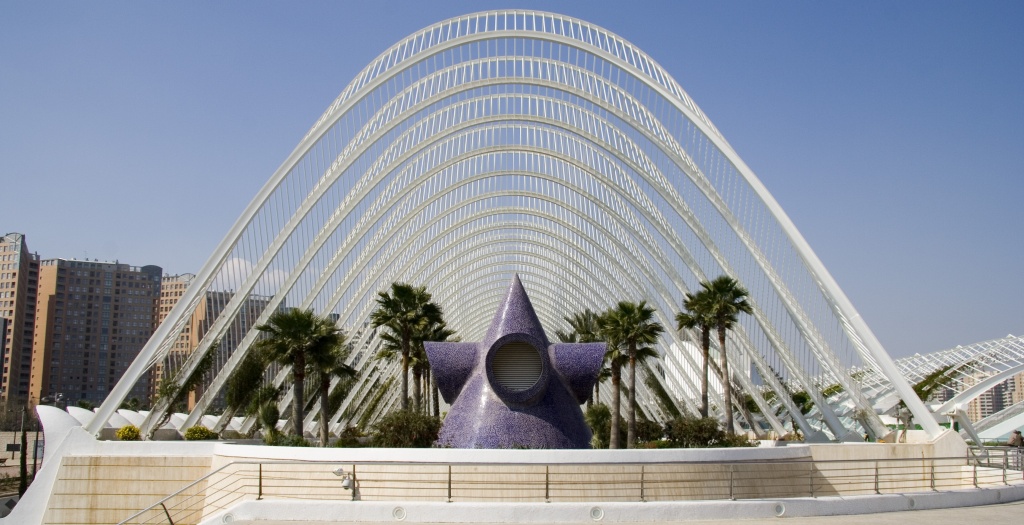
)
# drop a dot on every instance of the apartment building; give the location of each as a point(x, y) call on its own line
point(92, 319)
point(172, 288)
point(19, 281)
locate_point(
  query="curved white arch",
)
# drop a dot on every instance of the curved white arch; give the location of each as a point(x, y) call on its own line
point(571, 128)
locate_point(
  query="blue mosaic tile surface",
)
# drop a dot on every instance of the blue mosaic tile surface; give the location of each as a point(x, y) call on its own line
point(484, 414)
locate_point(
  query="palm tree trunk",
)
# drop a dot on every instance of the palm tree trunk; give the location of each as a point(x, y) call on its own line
point(426, 391)
point(298, 403)
point(405, 375)
point(613, 439)
point(631, 426)
point(705, 344)
point(726, 383)
point(434, 396)
point(325, 392)
point(417, 390)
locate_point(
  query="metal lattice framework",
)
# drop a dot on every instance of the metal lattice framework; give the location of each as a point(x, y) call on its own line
point(533, 143)
point(968, 373)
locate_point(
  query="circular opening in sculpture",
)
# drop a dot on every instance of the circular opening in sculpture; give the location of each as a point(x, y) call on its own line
point(516, 366)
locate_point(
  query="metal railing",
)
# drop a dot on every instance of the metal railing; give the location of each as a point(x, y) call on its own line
point(1007, 458)
point(592, 482)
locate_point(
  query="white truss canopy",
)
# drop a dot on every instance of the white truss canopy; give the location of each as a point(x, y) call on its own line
point(967, 373)
point(533, 143)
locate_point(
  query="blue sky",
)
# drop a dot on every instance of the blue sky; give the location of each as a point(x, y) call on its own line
point(892, 133)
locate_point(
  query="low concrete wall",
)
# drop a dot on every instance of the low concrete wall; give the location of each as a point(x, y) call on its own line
point(86, 481)
point(897, 470)
point(501, 475)
point(108, 489)
point(581, 513)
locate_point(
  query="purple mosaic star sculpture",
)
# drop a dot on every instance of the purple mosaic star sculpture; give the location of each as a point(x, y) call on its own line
point(514, 389)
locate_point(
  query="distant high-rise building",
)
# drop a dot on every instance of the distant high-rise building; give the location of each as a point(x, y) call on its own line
point(1017, 387)
point(19, 281)
point(995, 399)
point(171, 289)
point(92, 320)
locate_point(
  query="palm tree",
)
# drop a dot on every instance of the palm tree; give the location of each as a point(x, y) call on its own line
point(403, 311)
point(585, 329)
point(566, 337)
point(423, 379)
point(585, 326)
point(292, 336)
point(242, 386)
point(391, 347)
point(603, 375)
point(726, 301)
point(615, 359)
point(634, 327)
point(328, 361)
point(695, 316)
point(420, 366)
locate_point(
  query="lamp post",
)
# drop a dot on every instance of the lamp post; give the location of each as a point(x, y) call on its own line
point(23, 483)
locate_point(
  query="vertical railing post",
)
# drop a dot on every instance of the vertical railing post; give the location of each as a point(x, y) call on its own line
point(1006, 461)
point(259, 495)
point(732, 472)
point(355, 484)
point(449, 483)
point(547, 483)
point(975, 474)
point(643, 497)
point(933, 475)
point(810, 476)
point(877, 491)
point(168, 514)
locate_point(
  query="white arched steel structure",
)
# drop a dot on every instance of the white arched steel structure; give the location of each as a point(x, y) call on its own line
point(533, 143)
point(967, 372)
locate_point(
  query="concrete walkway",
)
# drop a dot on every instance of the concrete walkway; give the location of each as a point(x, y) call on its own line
point(988, 515)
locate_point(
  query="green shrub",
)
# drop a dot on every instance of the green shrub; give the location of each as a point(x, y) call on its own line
point(350, 438)
point(694, 432)
point(292, 440)
point(199, 433)
point(663, 443)
point(737, 440)
point(647, 431)
point(267, 417)
point(599, 419)
point(278, 439)
point(405, 429)
point(129, 433)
